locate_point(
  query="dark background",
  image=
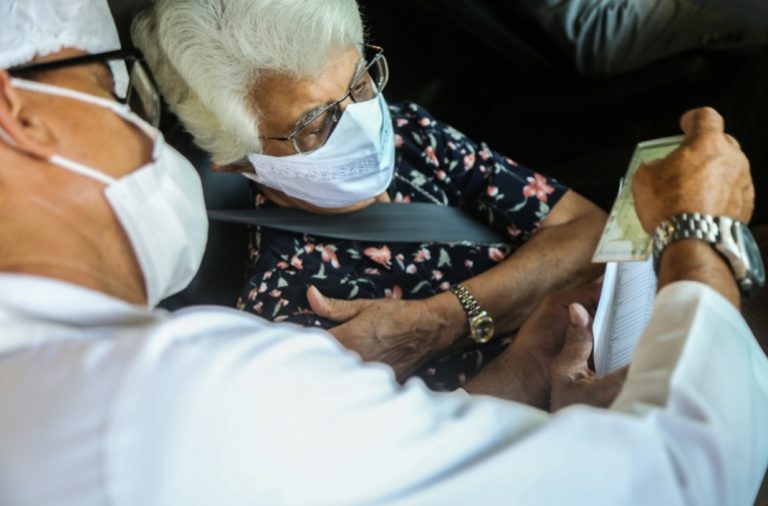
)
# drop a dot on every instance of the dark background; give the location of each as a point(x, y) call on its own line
point(484, 68)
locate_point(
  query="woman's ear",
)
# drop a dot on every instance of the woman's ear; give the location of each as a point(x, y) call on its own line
point(20, 125)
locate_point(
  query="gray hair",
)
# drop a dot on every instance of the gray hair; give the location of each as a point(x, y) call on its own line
point(206, 55)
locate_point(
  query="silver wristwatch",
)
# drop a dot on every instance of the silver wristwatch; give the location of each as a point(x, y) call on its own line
point(731, 238)
point(481, 326)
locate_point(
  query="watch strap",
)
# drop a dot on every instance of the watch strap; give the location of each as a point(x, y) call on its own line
point(468, 301)
point(684, 226)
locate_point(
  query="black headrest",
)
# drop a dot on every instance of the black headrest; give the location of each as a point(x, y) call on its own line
point(123, 12)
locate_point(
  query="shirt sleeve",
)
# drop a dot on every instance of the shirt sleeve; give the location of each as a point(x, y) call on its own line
point(508, 197)
point(244, 411)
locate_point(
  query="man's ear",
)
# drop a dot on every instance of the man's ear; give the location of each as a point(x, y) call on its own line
point(22, 128)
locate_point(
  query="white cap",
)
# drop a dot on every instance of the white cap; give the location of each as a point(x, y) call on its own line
point(30, 28)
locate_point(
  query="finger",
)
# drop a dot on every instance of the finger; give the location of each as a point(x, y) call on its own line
point(334, 309)
point(732, 141)
point(702, 120)
point(572, 360)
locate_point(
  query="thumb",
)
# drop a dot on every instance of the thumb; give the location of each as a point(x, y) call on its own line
point(572, 360)
point(333, 309)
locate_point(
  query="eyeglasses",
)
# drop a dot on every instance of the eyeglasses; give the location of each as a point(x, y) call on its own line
point(142, 97)
point(313, 132)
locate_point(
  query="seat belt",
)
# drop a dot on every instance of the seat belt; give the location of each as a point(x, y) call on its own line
point(379, 222)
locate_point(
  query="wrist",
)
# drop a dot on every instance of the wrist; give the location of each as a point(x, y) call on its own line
point(695, 260)
point(450, 319)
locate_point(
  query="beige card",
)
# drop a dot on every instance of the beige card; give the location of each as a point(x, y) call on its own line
point(624, 239)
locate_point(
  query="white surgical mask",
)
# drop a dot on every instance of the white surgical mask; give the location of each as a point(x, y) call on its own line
point(355, 164)
point(159, 205)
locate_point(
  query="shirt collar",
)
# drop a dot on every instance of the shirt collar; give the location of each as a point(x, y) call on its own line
point(48, 300)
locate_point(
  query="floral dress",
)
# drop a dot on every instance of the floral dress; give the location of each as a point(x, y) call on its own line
point(434, 163)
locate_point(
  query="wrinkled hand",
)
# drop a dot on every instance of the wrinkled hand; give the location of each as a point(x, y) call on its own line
point(401, 333)
point(707, 173)
point(573, 382)
point(541, 338)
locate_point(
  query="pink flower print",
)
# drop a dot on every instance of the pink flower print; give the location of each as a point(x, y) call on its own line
point(380, 255)
point(513, 231)
point(495, 254)
point(538, 187)
point(511, 162)
point(422, 255)
point(437, 275)
point(275, 293)
point(440, 174)
point(372, 272)
point(451, 145)
point(492, 191)
point(395, 293)
point(329, 255)
point(469, 160)
point(398, 140)
point(429, 152)
point(484, 153)
point(267, 275)
point(296, 263)
point(309, 247)
point(400, 257)
point(400, 199)
point(282, 264)
point(411, 269)
point(262, 287)
point(401, 121)
point(425, 122)
point(252, 294)
point(257, 308)
point(444, 286)
point(260, 199)
point(468, 264)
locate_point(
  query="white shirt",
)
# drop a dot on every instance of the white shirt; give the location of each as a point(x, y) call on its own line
point(105, 403)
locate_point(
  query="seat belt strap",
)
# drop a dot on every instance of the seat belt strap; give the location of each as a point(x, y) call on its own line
point(380, 222)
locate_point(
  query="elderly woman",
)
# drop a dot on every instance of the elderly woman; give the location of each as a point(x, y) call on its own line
point(289, 95)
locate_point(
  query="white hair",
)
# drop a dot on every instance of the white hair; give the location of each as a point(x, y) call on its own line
point(206, 55)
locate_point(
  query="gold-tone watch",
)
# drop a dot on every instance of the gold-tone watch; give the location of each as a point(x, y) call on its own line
point(481, 327)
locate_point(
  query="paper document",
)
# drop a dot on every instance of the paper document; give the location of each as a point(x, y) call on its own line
point(623, 237)
point(625, 306)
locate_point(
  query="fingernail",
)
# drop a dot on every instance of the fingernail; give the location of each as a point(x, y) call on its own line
point(578, 315)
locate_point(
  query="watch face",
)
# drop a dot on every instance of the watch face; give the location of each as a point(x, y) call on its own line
point(481, 328)
point(756, 267)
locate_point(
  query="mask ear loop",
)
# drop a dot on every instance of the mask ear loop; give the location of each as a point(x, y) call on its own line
point(121, 110)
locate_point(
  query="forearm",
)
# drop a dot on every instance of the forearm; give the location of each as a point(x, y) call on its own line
point(557, 256)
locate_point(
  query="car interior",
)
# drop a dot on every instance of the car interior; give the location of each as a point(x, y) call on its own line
point(487, 69)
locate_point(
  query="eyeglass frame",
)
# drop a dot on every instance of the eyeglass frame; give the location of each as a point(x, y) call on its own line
point(129, 56)
point(297, 129)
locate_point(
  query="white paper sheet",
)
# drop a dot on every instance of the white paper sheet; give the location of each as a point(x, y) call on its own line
point(625, 306)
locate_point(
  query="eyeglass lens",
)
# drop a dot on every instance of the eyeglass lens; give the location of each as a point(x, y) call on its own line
point(143, 98)
point(367, 86)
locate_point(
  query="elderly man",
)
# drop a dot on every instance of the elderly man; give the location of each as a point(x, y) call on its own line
point(103, 401)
